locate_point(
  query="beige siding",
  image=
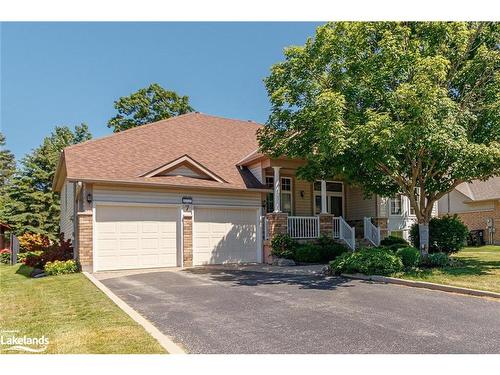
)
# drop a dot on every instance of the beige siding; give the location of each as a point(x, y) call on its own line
point(174, 196)
point(256, 170)
point(356, 206)
point(67, 209)
point(454, 204)
point(303, 205)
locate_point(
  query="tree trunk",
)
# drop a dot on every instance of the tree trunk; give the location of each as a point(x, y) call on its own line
point(423, 234)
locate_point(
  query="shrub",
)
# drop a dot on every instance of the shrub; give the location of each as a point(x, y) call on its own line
point(57, 251)
point(329, 249)
point(372, 261)
point(436, 260)
point(446, 234)
point(409, 256)
point(283, 246)
point(308, 253)
point(21, 257)
point(59, 267)
point(5, 256)
point(33, 242)
point(391, 241)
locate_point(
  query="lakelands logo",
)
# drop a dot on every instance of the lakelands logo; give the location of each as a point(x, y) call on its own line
point(12, 341)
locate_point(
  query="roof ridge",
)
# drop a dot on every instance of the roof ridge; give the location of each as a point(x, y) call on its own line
point(127, 131)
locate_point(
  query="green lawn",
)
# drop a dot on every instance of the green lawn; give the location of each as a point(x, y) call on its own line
point(71, 312)
point(477, 268)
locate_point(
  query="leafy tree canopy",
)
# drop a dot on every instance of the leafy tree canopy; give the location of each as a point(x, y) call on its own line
point(147, 105)
point(31, 204)
point(407, 108)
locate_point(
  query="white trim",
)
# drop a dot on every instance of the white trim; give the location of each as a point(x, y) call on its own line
point(182, 159)
point(330, 194)
point(259, 234)
point(94, 239)
point(163, 340)
point(140, 204)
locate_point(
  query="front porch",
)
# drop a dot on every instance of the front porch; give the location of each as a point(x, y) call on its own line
point(307, 210)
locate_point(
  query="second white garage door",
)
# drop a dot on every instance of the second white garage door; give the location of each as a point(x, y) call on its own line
point(130, 236)
point(224, 235)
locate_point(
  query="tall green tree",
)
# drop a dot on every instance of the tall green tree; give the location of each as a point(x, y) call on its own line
point(147, 105)
point(409, 108)
point(32, 206)
point(7, 169)
point(7, 163)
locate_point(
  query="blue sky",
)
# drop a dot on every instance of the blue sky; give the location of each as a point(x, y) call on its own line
point(67, 73)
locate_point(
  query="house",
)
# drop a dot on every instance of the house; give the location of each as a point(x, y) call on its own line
point(194, 190)
point(477, 203)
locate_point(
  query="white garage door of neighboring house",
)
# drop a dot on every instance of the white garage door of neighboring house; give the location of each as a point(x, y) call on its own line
point(225, 235)
point(131, 236)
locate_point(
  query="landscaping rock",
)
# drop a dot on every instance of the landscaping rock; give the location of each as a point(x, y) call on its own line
point(327, 271)
point(36, 273)
point(282, 262)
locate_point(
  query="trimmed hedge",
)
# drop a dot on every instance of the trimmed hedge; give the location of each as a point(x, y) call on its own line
point(323, 250)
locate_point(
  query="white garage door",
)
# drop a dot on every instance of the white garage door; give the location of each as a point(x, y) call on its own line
point(129, 237)
point(224, 235)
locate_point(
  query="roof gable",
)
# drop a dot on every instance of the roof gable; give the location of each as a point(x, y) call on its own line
point(184, 166)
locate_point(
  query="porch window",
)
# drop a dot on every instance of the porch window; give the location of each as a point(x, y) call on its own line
point(286, 194)
point(334, 197)
point(395, 205)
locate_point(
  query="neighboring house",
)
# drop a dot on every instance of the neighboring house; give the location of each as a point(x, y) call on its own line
point(478, 205)
point(193, 190)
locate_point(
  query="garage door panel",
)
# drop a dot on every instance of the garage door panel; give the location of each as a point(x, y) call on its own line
point(129, 237)
point(224, 235)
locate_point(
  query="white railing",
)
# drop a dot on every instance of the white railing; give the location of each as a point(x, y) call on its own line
point(265, 227)
point(371, 232)
point(336, 227)
point(347, 233)
point(303, 226)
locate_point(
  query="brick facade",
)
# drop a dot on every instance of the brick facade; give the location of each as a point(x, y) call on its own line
point(277, 224)
point(187, 241)
point(382, 223)
point(326, 225)
point(477, 220)
point(84, 240)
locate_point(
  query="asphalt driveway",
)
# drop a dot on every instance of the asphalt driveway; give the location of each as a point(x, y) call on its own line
point(226, 310)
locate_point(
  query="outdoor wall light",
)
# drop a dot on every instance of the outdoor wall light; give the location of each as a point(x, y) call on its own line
point(302, 193)
point(89, 197)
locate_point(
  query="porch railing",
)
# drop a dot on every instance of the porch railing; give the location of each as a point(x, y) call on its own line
point(371, 232)
point(303, 226)
point(343, 231)
point(265, 227)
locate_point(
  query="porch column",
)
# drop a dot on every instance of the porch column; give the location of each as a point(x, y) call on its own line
point(324, 209)
point(277, 189)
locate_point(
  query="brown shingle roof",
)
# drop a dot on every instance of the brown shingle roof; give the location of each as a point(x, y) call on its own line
point(214, 142)
point(481, 190)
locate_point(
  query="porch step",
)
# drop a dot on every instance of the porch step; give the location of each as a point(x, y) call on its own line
point(363, 242)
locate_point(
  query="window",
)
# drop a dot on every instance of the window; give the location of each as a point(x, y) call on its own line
point(396, 205)
point(286, 194)
point(334, 197)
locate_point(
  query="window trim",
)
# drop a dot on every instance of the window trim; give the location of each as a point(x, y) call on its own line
point(282, 192)
point(329, 194)
point(396, 199)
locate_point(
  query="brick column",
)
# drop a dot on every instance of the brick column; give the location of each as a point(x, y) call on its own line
point(187, 241)
point(84, 240)
point(326, 225)
point(382, 223)
point(277, 224)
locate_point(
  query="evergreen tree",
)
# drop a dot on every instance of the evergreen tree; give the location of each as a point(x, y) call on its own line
point(31, 205)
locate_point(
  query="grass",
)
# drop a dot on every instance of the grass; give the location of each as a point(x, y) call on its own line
point(70, 311)
point(476, 268)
